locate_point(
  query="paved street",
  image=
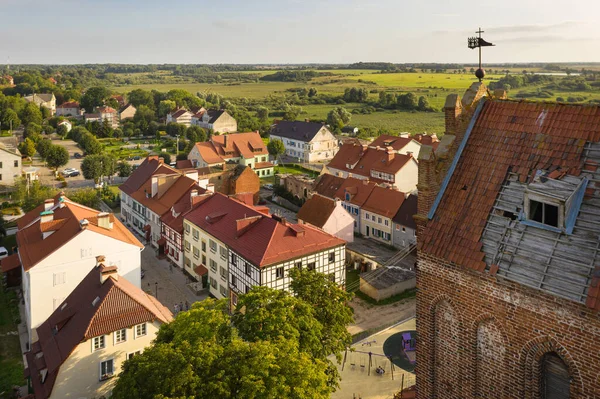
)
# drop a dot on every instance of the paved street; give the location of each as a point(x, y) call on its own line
point(47, 175)
point(172, 283)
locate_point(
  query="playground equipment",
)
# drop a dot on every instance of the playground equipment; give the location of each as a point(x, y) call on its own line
point(374, 359)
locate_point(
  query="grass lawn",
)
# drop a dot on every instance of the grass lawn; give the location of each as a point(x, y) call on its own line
point(12, 211)
point(295, 170)
point(352, 277)
point(11, 359)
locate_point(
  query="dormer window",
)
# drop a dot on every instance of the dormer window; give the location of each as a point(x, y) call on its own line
point(347, 196)
point(543, 213)
point(552, 201)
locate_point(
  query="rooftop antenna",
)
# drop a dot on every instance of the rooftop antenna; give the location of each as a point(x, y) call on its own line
point(478, 42)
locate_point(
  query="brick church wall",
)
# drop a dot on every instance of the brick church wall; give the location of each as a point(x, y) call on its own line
point(484, 337)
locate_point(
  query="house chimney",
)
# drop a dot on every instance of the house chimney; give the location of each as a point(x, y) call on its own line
point(210, 188)
point(100, 259)
point(161, 160)
point(193, 193)
point(452, 110)
point(108, 271)
point(46, 216)
point(104, 220)
point(83, 223)
point(225, 140)
point(48, 204)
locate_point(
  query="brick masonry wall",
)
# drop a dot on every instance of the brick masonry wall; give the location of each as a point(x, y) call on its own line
point(483, 337)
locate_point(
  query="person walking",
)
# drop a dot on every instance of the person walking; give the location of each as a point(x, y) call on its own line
point(175, 309)
point(181, 306)
point(187, 305)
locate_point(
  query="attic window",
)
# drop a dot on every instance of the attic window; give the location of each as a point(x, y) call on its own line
point(96, 300)
point(347, 196)
point(64, 305)
point(543, 213)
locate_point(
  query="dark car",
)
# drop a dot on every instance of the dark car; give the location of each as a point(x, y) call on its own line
point(137, 158)
point(77, 155)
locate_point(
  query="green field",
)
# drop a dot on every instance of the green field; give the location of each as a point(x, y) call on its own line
point(435, 87)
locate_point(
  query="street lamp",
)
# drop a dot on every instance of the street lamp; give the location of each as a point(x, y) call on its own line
point(177, 146)
point(156, 290)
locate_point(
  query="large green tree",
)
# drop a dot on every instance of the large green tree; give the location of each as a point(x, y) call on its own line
point(57, 156)
point(338, 117)
point(139, 97)
point(276, 147)
point(94, 97)
point(143, 116)
point(27, 148)
point(124, 169)
point(43, 147)
point(9, 119)
point(31, 114)
point(30, 195)
point(95, 167)
point(207, 359)
point(195, 134)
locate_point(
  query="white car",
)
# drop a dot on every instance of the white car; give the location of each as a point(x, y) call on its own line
point(3, 253)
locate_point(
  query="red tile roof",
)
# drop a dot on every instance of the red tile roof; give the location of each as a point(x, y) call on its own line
point(184, 164)
point(149, 167)
point(358, 160)
point(328, 185)
point(520, 137)
point(386, 140)
point(174, 218)
point(359, 191)
point(428, 139)
point(159, 204)
point(106, 110)
point(220, 148)
point(92, 309)
point(263, 165)
point(384, 201)
point(67, 216)
point(264, 240)
point(10, 262)
point(317, 210)
point(177, 113)
point(70, 104)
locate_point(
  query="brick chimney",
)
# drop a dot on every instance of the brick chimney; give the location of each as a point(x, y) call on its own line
point(225, 140)
point(108, 271)
point(242, 225)
point(104, 220)
point(452, 110)
point(193, 193)
point(390, 154)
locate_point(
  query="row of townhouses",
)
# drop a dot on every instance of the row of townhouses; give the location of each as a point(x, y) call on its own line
point(80, 274)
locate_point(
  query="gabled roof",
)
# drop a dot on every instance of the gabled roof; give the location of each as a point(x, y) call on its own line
point(359, 191)
point(327, 185)
point(162, 202)
point(385, 140)
point(384, 201)
point(66, 224)
point(297, 130)
point(261, 239)
point(174, 218)
point(357, 159)
point(179, 112)
point(215, 114)
point(94, 308)
point(150, 166)
point(317, 210)
point(220, 148)
point(43, 97)
point(475, 219)
point(126, 106)
point(407, 210)
point(106, 110)
point(69, 104)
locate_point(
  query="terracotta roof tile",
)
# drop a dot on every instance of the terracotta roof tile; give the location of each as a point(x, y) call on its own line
point(247, 145)
point(384, 201)
point(327, 185)
point(10, 262)
point(66, 225)
point(520, 137)
point(268, 241)
point(92, 309)
point(317, 210)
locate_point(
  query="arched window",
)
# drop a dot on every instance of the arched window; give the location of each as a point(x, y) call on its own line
point(555, 377)
point(347, 196)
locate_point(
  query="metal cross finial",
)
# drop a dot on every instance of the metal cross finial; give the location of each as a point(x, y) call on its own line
point(478, 42)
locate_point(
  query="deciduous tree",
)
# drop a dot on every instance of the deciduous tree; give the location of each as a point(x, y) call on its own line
point(31, 114)
point(57, 156)
point(276, 147)
point(10, 119)
point(94, 97)
point(27, 148)
point(338, 117)
point(124, 169)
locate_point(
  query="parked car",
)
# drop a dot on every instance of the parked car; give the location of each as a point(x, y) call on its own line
point(268, 186)
point(137, 158)
point(3, 253)
point(77, 155)
point(70, 172)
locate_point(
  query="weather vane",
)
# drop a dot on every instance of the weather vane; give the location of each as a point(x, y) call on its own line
point(478, 42)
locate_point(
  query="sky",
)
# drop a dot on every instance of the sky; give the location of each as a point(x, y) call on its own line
point(295, 31)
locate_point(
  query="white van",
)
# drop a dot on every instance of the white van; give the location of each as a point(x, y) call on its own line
point(3, 253)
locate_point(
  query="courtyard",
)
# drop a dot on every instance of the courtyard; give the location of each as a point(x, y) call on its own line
point(359, 376)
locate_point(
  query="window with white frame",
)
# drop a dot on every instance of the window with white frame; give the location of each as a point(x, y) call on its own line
point(120, 336)
point(223, 252)
point(140, 330)
point(213, 245)
point(133, 354)
point(223, 290)
point(60, 278)
point(195, 234)
point(213, 265)
point(107, 369)
point(311, 266)
point(331, 257)
point(233, 281)
point(279, 272)
point(247, 268)
point(223, 272)
point(99, 343)
point(196, 253)
point(187, 246)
